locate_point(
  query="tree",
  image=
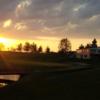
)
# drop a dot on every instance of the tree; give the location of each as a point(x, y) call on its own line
point(81, 46)
point(88, 46)
point(47, 50)
point(94, 43)
point(40, 49)
point(33, 48)
point(27, 46)
point(65, 45)
point(19, 47)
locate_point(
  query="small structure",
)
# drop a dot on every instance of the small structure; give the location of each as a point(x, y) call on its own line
point(88, 53)
point(83, 53)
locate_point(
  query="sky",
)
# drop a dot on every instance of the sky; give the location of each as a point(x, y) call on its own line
point(48, 21)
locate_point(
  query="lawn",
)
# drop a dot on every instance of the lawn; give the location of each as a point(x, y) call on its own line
point(26, 62)
point(49, 80)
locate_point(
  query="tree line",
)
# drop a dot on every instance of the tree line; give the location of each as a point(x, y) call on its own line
point(89, 45)
point(28, 47)
point(64, 46)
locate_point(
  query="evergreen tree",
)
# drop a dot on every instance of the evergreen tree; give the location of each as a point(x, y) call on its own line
point(40, 49)
point(33, 48)
point(27, 46)
point(88, 46)
point(94, 43)
point(47, 50)
point(81, 46)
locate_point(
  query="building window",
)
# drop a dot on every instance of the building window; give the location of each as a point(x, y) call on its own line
point(93, 51)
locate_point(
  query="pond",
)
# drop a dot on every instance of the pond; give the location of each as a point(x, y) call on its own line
point(6, 79)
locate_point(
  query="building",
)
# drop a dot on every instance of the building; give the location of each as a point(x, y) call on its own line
point(88, 53)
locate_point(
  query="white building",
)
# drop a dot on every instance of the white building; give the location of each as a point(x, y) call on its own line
point(87, 53)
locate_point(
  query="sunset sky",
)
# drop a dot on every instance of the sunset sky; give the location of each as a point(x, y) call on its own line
point(47, 21)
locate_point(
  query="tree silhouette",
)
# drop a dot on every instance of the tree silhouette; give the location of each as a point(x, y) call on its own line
point(19, 47)
point(81, 46)
point(40, 49)
point(47, 50)
point(94, 43)
point(65, 45)
point(88, 46)
point(33, 48)
point(27, 46)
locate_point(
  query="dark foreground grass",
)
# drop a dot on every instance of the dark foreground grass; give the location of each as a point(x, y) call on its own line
point(49, 80)
point(78, 85)
point(14, 62)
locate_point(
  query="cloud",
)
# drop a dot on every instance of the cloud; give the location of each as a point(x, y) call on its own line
point(91, 8)
point(51, 17)
point(7, 23)
point(20, 26)
point(21, 7)
point(7, 8)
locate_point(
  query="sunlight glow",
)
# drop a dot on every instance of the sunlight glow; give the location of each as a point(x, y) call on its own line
point(3, 40)
point(7, 42)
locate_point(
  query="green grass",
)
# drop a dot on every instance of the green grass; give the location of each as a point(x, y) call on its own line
point(53, 85)
point(29, 62)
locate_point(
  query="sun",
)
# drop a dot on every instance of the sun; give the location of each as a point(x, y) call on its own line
point(6, 42)
point(3, 40)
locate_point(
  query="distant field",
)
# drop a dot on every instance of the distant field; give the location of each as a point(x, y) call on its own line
point(30, 62)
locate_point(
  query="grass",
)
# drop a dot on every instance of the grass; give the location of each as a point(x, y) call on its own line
point(49, 79)
point(26, 62)
point(79, 85)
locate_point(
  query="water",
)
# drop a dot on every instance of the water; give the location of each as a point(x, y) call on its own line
point(10, 77)
point(13, 78)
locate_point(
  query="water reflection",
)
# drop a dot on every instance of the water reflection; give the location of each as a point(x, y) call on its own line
point(12, 78)
point(3, 85)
